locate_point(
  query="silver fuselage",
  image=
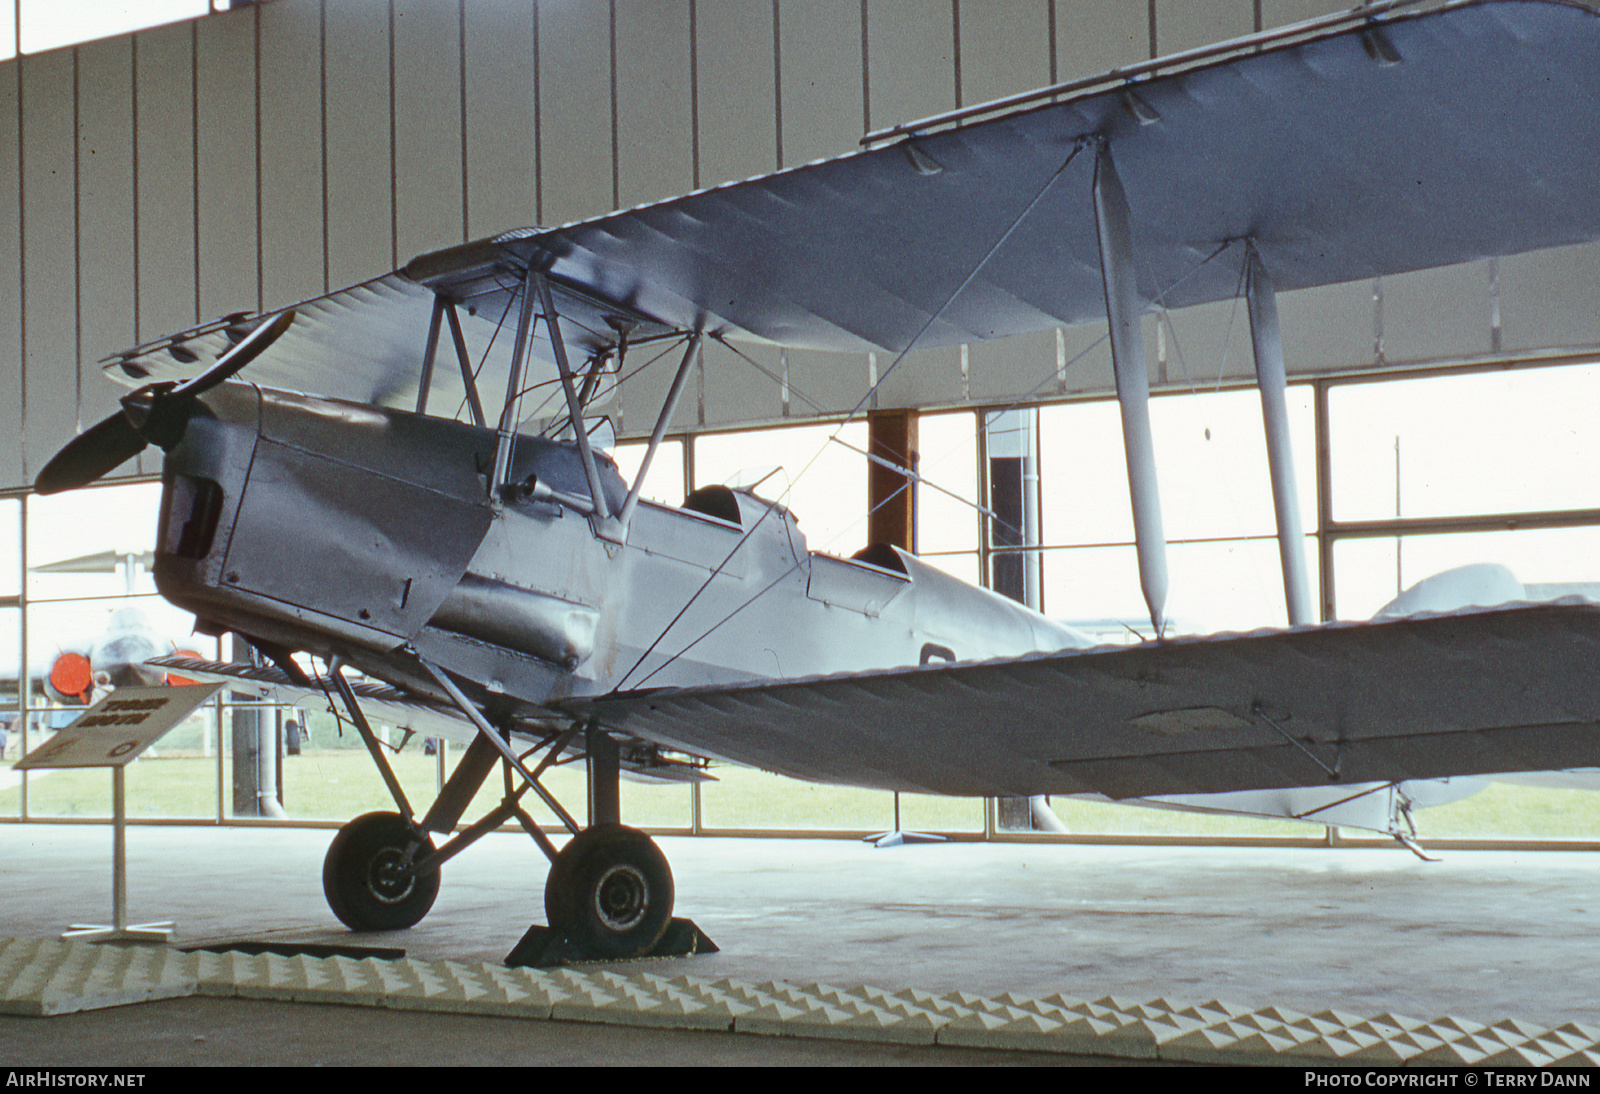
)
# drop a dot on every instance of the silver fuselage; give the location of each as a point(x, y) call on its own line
point(365, 533)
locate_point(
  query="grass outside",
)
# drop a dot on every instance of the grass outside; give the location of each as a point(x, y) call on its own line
point(339, 783)
point(1507, 811)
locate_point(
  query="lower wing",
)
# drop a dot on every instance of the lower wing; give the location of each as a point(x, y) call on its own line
point(1468, 693)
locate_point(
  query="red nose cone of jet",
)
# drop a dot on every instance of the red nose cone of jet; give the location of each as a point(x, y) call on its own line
point(71, 674)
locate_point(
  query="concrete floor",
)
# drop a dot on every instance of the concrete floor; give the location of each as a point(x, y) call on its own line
point(1479, 935)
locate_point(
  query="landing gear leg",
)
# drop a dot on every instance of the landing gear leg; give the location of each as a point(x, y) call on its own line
point(370, 876)
point(609, 893)
point(379, 873)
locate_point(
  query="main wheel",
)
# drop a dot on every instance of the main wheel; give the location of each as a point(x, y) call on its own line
point(610, 891)
point(366, 879)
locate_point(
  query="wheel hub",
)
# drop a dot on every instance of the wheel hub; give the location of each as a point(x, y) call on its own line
point(621, 897)
point(389, 878)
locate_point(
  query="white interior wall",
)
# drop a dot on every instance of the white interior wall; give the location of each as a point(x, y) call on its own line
point(258, 157)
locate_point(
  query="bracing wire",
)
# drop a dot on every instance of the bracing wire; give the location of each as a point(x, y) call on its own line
point(967, 280)
point(881, 379)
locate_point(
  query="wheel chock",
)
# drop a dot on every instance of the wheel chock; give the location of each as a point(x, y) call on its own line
point(543, 948)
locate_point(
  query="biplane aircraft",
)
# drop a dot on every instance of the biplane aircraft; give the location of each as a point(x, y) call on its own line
point(322, 498)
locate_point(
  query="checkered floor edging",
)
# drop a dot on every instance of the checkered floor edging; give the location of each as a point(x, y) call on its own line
point(49, 977)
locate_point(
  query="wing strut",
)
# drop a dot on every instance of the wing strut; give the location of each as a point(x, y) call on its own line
point(489, 733)
point(663, 420)
point(1267, 341)
point(511, 411)
point(574, 407)
point(428, 354)
point(1133, 381)
point(468, 380)
point(336, 671)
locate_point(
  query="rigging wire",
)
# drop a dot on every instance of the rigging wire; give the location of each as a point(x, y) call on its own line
point(512, 299)
point(562, 421)
point(765, 589)
point(881, 379)
point(780, 381)
point(1022, 400)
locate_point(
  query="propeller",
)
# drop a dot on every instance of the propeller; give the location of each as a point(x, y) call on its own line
point(155, 414)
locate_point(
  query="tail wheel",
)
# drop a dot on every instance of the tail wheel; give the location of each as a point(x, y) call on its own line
point(610, 891)
point(368, 879)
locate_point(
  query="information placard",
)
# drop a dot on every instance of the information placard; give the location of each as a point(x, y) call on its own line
point(114, 731)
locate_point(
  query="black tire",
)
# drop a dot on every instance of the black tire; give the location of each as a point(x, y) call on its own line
point(363, 881)
point(610, 892)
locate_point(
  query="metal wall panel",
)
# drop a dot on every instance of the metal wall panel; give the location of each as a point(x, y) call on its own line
point(359, 176)
point(1550, 298)
point(836, 381)
point(10, 278)
point(164, 196)
point(734, 59)
point(655, 147)
point(926, 378)
point(1005, 48)
point(430, 209)
point(1021, 367)
point(50, 298)
point(502, 165)
point(1437, 313)
point(1094, 36)
point(225, 157)
point(106, 283)
point(291, 151)
point(819, 83)
point(1087, 357)
point(575, 134)
point(1277, 13)
point(1185, 24)
point(735, 390)
point(1330, 327)
point(910, 60)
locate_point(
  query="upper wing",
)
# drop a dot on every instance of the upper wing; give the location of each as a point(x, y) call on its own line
point(1408, 142)
point(1470, 693)
point(1413, 140)
point(366, 343)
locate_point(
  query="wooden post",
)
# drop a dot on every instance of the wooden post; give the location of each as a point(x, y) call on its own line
point(891, 497)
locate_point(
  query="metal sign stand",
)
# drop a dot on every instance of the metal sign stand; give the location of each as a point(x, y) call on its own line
point(113, 733)
point(119, 931)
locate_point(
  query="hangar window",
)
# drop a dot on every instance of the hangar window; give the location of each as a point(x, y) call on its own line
point(1216, 506)
point(664, 483)
point(1444, 446)
point(41, 25)
point(823, 484)
point(10, 551)
point(949, 524)
point(93, 618)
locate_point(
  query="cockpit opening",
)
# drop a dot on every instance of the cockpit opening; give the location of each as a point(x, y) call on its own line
point(882, 556)
point(714, 501)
